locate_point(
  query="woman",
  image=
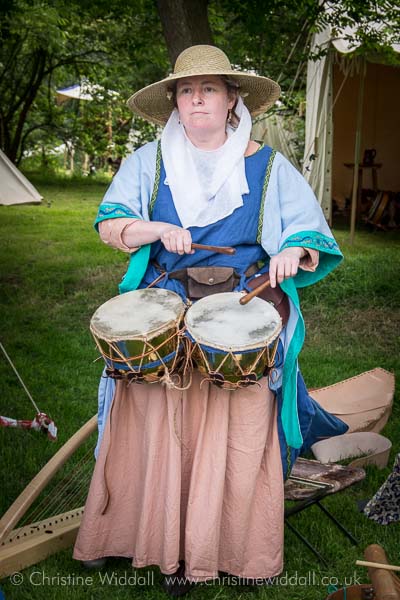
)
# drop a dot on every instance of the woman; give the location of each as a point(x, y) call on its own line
point(211, 500)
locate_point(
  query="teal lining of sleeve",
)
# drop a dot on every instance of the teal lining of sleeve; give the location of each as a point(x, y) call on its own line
point(330, 255)
point(138, 260)
point(136, 269)
point(113, 211)
point(289, 415)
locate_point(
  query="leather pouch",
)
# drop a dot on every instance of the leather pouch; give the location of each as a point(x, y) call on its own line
point(204, 281)
point(276, 296)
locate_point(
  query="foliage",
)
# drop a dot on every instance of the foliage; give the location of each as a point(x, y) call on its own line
point(48, 44)
point(272, 37)
point(370, 28)
point(370, 23)
point(267, 36)
point(119, 46)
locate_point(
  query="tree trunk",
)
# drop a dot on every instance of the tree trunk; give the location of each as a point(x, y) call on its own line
point(28, 99)
point(185, 23)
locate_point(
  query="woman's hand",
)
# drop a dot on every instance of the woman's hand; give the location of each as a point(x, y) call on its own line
point(176, 239)
point(285, 264)
point(138, 232)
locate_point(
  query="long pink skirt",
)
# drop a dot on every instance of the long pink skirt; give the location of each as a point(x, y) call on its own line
point(193, 475)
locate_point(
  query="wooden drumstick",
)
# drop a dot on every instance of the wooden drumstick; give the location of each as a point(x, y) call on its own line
point(218, 249)
point(377, 565)
point(250, 295)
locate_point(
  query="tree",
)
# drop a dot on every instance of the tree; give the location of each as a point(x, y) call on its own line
point(272, 37)
point(47, 44)
point(185, 23)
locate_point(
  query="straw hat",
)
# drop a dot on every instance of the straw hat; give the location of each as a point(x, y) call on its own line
point(153, 104)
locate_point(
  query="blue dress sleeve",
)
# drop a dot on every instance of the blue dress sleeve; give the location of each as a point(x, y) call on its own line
point(293, 217)
point(130, 191)
point(129, 196)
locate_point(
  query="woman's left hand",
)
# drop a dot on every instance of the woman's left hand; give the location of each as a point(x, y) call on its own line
point(285, 264)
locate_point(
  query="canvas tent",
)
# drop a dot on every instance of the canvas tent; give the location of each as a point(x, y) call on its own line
point(75, 92)
point(352, 105)
point(84, 91)
point(272, 129)
point(14, 187)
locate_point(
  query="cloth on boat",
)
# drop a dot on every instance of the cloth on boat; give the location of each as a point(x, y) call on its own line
point(384, 506)
point(193, 475)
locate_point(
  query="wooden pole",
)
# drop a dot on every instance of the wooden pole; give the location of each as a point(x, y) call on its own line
point(357, 146)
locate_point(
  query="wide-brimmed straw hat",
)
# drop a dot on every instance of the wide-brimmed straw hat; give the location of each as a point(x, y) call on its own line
point(155, 104)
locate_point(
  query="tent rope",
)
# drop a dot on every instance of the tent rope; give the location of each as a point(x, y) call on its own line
point(19, 378)
point(282, 131)
point(294, 48)
point(41, 422)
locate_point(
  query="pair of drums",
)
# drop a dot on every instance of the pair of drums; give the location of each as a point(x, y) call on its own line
point(149, 336)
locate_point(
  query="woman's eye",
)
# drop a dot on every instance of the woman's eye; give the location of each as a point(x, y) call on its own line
point(185, 90)
point(209, 89)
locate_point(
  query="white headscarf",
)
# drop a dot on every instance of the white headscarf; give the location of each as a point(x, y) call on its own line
point(206, 185)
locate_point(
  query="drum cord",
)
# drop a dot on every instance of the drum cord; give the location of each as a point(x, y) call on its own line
point(227, 385)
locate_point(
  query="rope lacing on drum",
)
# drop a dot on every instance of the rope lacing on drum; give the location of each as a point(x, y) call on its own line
point(246, 374)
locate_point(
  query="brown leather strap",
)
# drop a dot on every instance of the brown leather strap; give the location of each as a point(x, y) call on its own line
point(205, 281)
point(182, 275)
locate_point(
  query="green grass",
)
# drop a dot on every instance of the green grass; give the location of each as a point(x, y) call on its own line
point(55, 273)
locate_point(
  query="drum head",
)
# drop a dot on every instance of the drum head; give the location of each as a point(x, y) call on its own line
point(140, 314)
point(221, 322)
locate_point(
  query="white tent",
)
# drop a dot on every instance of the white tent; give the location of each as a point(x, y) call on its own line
point(14, 187)
point(84, 91)
point(352, 105)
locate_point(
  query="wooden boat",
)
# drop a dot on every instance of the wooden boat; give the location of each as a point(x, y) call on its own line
point(364, 402)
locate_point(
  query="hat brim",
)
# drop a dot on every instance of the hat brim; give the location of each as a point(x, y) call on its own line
point(151, 103)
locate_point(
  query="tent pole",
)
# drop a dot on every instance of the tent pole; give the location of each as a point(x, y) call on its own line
point(357, 145)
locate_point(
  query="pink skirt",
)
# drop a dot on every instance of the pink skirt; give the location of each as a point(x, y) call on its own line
point(193, 475)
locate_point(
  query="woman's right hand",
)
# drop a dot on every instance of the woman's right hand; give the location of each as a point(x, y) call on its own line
point(176, 239)
point(138, 232)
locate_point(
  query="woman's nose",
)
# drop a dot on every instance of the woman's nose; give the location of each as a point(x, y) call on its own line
point(197, 98)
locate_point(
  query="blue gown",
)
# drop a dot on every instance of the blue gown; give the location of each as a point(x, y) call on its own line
point(241, 230)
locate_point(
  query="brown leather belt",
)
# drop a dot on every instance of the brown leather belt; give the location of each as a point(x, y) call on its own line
point(205, 281)
point(182, 274)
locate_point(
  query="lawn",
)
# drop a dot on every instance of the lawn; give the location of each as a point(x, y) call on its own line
point(54, 274)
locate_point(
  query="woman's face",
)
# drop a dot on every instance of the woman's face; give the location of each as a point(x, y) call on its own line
point(203, 104)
